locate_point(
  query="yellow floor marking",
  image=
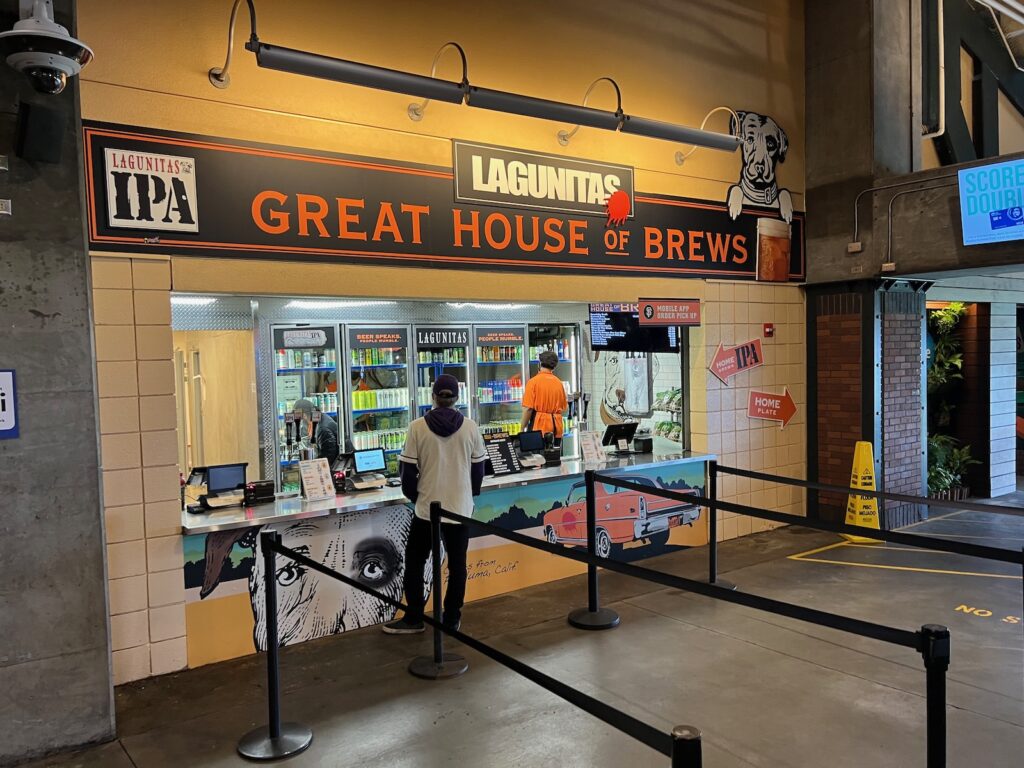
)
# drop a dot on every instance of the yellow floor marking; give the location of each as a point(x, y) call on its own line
point(932, 519)
point(821, 549)
point(908, 568)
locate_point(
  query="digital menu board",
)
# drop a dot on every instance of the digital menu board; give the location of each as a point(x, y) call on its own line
point(616, 328)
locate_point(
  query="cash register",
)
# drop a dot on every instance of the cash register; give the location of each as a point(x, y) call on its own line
point(531, 449)
point(617, 437)
point(368, 466)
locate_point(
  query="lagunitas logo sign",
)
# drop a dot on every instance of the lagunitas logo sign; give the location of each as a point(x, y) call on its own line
point(151, 191)
point(502, 176)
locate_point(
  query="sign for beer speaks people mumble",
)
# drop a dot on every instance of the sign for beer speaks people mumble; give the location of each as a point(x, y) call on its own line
point(257, 201)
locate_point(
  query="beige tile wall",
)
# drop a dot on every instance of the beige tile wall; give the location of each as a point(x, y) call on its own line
point(139, 460)
point(734, 313)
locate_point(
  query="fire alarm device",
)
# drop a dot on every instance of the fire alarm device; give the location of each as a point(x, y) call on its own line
point(769, 330)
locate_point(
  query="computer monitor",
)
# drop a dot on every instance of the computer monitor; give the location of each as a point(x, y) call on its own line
point(225, 477)
point(371, 460)
point(616, 432)
point(531, 441)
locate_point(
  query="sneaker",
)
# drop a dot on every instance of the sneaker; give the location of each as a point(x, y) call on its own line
point(456, 626)
point(403, 626)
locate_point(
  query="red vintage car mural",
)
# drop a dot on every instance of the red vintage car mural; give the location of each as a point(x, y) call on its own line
point(622, 516)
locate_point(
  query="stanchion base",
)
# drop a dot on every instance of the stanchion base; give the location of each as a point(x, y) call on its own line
point(723, 583)
point(259, 745)
point(452, 665)
point(602, 618)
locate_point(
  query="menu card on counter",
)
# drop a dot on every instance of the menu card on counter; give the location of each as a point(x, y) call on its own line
point(593, 451)
point(317, 483)
point(502, 455)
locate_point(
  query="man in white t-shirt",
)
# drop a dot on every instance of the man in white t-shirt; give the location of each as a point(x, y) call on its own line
point(443, 460)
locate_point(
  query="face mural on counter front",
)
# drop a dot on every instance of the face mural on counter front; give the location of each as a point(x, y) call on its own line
point(365, 546)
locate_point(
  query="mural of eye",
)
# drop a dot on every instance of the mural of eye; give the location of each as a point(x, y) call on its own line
point(373, 570)
point(289, 574)
point(376, 562)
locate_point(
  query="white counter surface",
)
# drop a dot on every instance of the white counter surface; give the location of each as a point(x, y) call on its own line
point(295, 508)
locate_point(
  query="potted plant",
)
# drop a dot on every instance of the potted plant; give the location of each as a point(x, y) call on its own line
point(947, 468)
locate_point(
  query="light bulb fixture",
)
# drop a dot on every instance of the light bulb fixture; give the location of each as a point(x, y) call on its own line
point(681, 157)
point(564, 137)
point(494, 307)
point(192, 301)
point(432, 88)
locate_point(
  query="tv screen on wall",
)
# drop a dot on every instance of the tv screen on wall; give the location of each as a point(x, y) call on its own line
point(616, 328)
point(992, 202)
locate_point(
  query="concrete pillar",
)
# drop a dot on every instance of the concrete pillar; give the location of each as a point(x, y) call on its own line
point(54, 639)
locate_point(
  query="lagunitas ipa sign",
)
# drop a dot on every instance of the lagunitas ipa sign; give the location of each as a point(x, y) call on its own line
point(150, 191)
point(503, 176)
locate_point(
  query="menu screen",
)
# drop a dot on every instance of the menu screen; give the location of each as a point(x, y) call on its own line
point(616, 328)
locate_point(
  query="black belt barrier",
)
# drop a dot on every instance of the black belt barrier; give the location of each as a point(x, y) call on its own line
point(280, 740)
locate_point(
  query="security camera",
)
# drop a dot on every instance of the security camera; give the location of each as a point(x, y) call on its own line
point(43, 49)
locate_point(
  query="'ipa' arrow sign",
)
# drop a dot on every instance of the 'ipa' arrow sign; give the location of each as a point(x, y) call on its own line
point(729, 361)
point(771, 406)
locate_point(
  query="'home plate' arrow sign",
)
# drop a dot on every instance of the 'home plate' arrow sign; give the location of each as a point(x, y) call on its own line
point(771, 406)
point(729, 361)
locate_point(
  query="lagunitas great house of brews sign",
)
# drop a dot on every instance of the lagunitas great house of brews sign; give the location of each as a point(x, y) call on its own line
point(256, 201)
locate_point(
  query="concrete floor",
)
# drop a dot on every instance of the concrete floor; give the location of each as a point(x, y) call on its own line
point(765, 691)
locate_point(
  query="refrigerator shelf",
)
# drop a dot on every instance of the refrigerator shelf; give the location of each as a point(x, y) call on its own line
point(395, 409)
point(311, 368)
point(499, 402)
point(390, 366)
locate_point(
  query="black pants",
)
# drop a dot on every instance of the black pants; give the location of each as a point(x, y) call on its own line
point(456, 544)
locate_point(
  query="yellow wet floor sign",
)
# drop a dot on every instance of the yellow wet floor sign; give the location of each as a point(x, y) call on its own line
point(862, 510)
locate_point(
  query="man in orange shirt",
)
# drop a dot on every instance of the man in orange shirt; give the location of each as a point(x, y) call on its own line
point(544, 400)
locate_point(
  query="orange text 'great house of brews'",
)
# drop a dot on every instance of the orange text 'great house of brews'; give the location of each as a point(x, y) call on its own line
point(345, 218)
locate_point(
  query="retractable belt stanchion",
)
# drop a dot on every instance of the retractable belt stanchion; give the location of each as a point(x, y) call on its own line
point(593, 616)
point(440, 665)
point(276, 740)
point(935, 649)
point(713, 529)
point(686, 750)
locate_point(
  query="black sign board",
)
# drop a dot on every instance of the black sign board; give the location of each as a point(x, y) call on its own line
point(258, 201)
point(489, 336)
point(514, 177)
point(501, 454)
point(304, 337)
point(442, 336)
point(381, 337)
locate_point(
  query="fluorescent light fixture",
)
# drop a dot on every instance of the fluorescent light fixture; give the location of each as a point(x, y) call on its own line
point(354, 73)
point(472, 305)
point(312, 304)
point(192, 301)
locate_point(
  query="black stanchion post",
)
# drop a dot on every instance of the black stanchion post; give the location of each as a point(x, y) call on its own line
point(441, 665)
point(593, 616)
point(713, 529)
point(686, 750)
point(276, 740)
point(935, 647)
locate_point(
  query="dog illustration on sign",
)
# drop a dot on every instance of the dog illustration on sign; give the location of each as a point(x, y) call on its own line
point(763, 145)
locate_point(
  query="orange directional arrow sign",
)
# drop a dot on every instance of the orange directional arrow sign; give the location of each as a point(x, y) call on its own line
point(729, 361)
point(771, 406)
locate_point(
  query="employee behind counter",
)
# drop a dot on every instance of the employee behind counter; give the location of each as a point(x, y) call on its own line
point(322, 433)
point(544, 400)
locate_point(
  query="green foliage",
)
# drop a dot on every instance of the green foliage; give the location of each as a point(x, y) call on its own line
point(946, 365)
point(947, 464)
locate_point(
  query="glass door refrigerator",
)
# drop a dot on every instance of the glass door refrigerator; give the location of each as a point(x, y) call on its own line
point(564, 340)
point(500, 362)
point(380, 389)
point(305, 367)
point(441, 349)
